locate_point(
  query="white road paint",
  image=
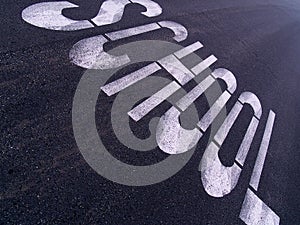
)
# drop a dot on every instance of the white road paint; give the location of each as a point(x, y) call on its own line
point(260, 160)
point(228, 123)
point(176, 69)
point(212, 113)
point(216, 108)
point(227, 76)
point(132, 31)
point(204, 65)
point(180, 31)
point(171, 137)
point(188, 50)
point(217, 179)
point(153, 9)
point(148, 105)
point(252, 99)
point(88, 53)
point(247, 140)
point(130, 79)
point(195, 93)
point(255, 212)
point(111, 11)
point(245, 97)
point(49, 15)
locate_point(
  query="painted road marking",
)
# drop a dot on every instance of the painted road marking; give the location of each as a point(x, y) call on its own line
point(168, 62)
point(49, 14)
point(89, 53)
point(180, 32)
point(246, 143)
point(217, 179)
point(116, 35)
point(153, 9)
point(255, 211)
point(231, 83)
point(171, 137)
point(171, 142)
point(169, 129)
point(260, 160)
point(245, 97)
point(142, 109)
point(176, 69)
point(195, 93)
point(212, 113)
point(138, 112)
point(227, 76)
point(110, 12)
point(188, 50)
point(204, 65)
point(130, 79)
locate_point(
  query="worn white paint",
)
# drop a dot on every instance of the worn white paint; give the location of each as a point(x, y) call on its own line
point(185, 139)
point(132, 31)
point(217, 179)
point(199, 68)
point(188, 50)
point(228, 77)
point(171, 137)
point(180, 31)
point(228, 123)
point(156, 99)
point(195, 93)
point(245, 97)
point(88, 53)
point(252, 99)
point(111, 11)
point(152, 8)
point(176, 69)
point(255, 212)
point(247, 140)
point(49, 15)
point(130, 79)
point(260, 160)
point(214, 110)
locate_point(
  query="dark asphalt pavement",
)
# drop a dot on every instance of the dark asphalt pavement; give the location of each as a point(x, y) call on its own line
point(44, 178)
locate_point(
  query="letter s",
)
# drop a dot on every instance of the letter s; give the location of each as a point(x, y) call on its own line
point(49, 14)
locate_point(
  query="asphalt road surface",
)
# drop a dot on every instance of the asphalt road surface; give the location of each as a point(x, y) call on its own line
point(44, 178)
